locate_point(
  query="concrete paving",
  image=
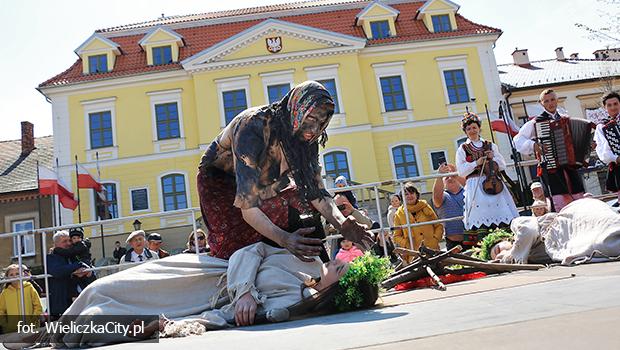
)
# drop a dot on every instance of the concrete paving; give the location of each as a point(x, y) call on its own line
point(568, 308)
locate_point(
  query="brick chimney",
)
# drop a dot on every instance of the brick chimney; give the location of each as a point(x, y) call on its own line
point(520, 57)
point(559, 54)
point(27, 138)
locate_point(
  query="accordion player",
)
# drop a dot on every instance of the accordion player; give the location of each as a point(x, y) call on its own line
point(566, 142)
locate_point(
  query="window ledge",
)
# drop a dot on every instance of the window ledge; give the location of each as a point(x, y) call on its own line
point(110, 152)
point(399, 116)
point(144, 211)
point(338, 120)
point(461, 108)
point(169, 145)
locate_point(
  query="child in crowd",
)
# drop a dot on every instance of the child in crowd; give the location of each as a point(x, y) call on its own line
point(341, 181)
point(539, 208)
point(10, 301)
point(78, 252)
point(80, 247)
point(348, 251)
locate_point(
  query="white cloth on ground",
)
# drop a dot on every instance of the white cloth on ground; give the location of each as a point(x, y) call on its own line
point(583, 228)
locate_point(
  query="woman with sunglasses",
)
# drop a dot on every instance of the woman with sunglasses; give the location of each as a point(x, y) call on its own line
point(202, 242)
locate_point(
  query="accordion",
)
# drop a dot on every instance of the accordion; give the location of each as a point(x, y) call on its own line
point(566, 142)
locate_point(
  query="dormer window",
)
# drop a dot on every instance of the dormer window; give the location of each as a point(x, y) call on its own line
point(97, 64)
point(441, 23)
point(439, 16)
point(98, 54)
point(380, 29)
point(162, 55)
point(161, 46)
point(378, 20)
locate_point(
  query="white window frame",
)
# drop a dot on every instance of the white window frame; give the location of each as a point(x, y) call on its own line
point(276, 78)
point(430, 157)
point(325, 73)
point(416, 151)
point(337, 149)
point(162, 97)
point(456, 142)
point(29, 236)
point(148, 199)
point(160, 190)
point(454, 63)
point(95, 106)
point(231, 84)
point(391, 69)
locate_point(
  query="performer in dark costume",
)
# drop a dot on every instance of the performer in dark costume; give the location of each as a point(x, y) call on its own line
point(566, 184)
point(607, 138)
point(261, 175)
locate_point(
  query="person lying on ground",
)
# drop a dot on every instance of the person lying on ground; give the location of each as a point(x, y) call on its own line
point(585, 230)
point(256, 282)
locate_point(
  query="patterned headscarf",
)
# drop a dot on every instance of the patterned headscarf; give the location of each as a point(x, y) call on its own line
point(469, 118)
point(303, 99)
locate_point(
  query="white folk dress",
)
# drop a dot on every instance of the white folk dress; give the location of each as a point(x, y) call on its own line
point(482, 208)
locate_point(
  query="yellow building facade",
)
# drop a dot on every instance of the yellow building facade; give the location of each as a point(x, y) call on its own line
point(146, 100)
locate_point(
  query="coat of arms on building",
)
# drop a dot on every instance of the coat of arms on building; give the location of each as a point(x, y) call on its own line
point(274, 45)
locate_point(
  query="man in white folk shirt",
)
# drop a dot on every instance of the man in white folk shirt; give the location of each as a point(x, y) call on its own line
point(566, 184)
point(607, 138)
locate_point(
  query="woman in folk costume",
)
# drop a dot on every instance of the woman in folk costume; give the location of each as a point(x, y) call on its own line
point(482, 210)
point(263, 165)
point(258, 284)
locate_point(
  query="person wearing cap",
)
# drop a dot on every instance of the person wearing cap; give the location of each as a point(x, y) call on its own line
point(154, 245)
point(539, 208)
point(341, 181)
point(138, 252)
point(538, 193)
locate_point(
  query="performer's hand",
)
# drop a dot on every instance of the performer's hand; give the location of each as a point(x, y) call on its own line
point(489, 154)
point(480, 161)
point(539, 149)
point(353, 231)
point(245, 310)
point(300, 246)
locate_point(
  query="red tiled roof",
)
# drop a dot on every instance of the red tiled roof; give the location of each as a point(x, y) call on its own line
point(133, 59)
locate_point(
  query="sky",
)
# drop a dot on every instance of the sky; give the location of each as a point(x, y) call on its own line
point(41, 35)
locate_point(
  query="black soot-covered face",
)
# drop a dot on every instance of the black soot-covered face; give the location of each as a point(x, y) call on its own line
point(313, 124)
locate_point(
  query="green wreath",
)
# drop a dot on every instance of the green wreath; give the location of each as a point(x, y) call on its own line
point(361, 282)
point(496, 236)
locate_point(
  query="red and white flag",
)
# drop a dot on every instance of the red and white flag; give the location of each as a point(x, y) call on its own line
point(500, 125)
point(85, 180)
point(49, 183)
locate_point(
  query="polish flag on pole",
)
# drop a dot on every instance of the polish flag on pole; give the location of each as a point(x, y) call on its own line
point(85, 180)
point(500, 126)
point(49, 183)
